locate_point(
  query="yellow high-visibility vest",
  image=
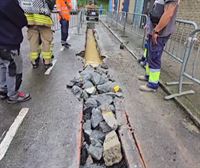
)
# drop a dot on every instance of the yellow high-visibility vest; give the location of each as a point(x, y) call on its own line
point(39, 20)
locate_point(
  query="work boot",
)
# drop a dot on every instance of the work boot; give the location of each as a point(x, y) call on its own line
point(20, 97)
point(67, 45)
point(35, 63)
point(143, 78)
point(47, 63)
point(145, 88)
point(141, 59)
point(3, 95)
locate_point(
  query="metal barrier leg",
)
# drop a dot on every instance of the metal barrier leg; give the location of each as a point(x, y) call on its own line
point(177, 83)
point(179, 94)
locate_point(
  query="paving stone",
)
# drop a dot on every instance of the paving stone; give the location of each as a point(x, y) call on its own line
point(78, 81)
point(87, 112)
point(103, 99)
point(96, 78)
point(97, 136)
point(96, 150)
point(91, 102)
point(87, 84)
point(84, 95)
point(105, 127)
point(84, 153)
point(70, 84)
point(109, 118)
point(91, 90)
point(89, 160)
point(93, 166)
point(96, 117)
point(112, 153)
point(118, 94)
point(87, 127)
point(76, 90)
point(106, 87)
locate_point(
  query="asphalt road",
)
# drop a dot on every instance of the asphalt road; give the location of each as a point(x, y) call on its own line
point(47, 138)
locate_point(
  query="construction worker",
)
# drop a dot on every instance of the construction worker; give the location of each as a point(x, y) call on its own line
point(39, 28)
point(161, 26)
point(64, 8)
point(12, 21)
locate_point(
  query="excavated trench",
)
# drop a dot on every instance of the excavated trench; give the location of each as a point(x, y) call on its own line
point(105, 139)
point(91, 156)
point(101, 137)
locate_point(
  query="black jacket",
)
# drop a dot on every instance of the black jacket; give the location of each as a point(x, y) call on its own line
point(12, 20)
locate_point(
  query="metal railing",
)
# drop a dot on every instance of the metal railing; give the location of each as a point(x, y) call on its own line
point(129, 23)
point(190, 65)
point(75, 21)
point(175, 47)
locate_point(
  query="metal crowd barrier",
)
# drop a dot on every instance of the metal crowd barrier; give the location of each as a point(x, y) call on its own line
point(75, 21)
point(130, 23)
point(190, 64)
point(177, 47)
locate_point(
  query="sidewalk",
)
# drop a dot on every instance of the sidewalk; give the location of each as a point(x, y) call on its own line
point(166, 137)
point(170, 71)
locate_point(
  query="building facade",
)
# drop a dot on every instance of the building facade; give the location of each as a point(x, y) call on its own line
point(188, 10)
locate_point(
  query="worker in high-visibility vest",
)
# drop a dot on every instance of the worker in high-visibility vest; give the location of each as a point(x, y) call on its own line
point(39, 27)
point(64, 8)
point(161, 25)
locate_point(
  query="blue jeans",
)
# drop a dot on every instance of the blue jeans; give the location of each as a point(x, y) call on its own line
point(64, 30)
point(10, 72)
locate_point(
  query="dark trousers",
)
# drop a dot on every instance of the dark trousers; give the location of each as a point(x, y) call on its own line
point(64, 30)
point(153, 66)
point(155, 52)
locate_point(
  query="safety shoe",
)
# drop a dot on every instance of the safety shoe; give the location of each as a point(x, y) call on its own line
point(67, 45)
point(47, 63)
point(35, 64)
point(20, 97)
point(143, 78)
point(145, 88)
point(141, 59)
point(3, 95)
point(47, 66)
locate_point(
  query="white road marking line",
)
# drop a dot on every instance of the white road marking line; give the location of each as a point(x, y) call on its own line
point(2, 135)
point(48, 71)
point(11, 132)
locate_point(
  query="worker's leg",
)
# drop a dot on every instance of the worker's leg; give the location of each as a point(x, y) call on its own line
point(33, 37)
point(154, 63)
point(64, 31)
point(46, 37)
